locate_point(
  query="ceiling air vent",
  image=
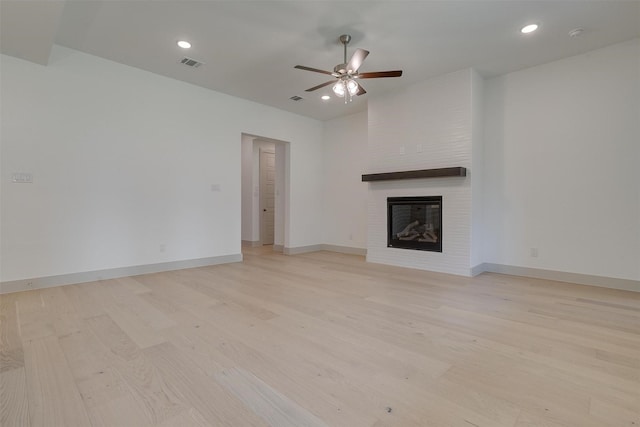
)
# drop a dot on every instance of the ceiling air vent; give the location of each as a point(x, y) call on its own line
point(296, 98)
point(190, 62)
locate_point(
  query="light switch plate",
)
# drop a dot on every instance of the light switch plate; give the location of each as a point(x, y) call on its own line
point(22, 178)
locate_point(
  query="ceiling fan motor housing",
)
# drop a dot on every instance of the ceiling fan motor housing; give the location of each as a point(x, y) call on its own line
point(340, 68)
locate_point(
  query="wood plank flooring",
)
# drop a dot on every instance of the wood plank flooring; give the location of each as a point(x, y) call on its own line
point(320, 339)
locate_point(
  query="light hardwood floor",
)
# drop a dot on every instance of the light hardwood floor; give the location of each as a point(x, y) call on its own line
point(320, 339)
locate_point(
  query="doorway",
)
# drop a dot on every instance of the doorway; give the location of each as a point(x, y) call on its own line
point(265, 192)
point(267, 195)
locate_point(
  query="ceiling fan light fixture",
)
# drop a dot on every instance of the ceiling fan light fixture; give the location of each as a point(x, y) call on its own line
point(346, 88)
point(352, 87)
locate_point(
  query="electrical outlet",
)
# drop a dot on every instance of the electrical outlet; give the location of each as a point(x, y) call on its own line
point(534, 252)
point(402, 150)
point(418, 148)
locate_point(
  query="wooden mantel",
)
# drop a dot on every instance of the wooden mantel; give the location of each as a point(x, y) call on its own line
point(422, 173)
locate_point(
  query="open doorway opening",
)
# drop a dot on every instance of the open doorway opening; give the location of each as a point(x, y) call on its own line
point(264, 192)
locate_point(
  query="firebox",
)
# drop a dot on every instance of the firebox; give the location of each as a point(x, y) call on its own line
point(415, 223)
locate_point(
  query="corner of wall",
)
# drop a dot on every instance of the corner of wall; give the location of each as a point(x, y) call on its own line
point(344, 202)
point(477, 168)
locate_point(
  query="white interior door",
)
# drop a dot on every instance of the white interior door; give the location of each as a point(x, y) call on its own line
point(267, 195)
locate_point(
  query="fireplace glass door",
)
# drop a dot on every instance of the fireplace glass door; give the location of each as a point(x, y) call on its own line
point(415, 223)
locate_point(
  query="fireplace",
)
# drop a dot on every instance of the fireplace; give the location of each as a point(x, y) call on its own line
point(415, 223)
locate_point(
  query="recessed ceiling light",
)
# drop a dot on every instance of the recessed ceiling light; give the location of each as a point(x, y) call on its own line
point(529, 28)
point(184, 44)
point(325, 97)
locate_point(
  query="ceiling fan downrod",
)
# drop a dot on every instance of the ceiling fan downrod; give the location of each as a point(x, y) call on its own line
point(345, 39)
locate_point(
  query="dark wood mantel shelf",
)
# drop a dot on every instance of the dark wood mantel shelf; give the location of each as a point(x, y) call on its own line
point(423, 173)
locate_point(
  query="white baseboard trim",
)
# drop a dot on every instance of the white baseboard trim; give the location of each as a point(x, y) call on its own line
point(563, 276)
point(278, 248)
point(301, 249)
point(323, 247)
point(112, 273)
point(478, 269)
point(345, 249)
point(251, 243)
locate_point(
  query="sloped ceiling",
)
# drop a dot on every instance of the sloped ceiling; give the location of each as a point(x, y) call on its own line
point(249, 48)
point(28, 28)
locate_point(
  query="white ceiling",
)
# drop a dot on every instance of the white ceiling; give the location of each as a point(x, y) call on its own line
point(250, 47)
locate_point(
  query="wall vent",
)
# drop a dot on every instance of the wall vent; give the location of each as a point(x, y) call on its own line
point(190, 62)
point(296, 98)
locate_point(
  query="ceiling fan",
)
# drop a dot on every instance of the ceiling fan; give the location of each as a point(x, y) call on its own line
point(347, 73)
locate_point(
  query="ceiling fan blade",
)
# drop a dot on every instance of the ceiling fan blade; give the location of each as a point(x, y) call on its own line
point(356, 60)
point(361, 90)
point(378, 74)
point(320, 86)
point(315, 70)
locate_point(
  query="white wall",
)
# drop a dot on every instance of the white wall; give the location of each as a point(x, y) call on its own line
point(247, 187)
point(345, 195)
point(281, 228)
point(562, 149)
point(123, 161)
point(427, 125)
point(477, 169)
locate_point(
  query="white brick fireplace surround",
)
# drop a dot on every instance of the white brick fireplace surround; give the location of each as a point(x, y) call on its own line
point(456, 205)
point(435, 130)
